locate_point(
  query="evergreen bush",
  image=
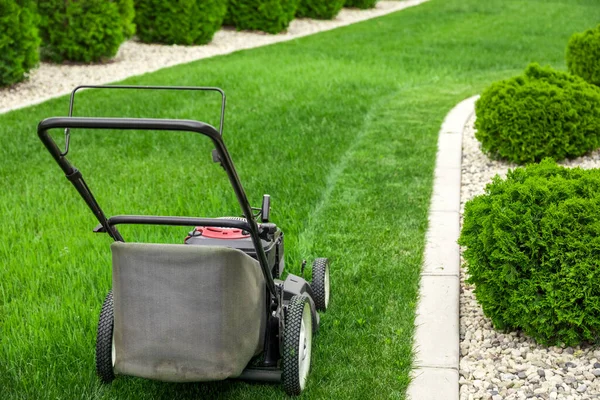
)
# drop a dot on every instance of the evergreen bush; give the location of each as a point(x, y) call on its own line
point(82, 30)
point(179, 22)
point(583, 55)
point(127, 12)
point(319, 9)
point(19, 40)
point(362, 4)
point(271, 16)
point(533, 252)
point(544, 113)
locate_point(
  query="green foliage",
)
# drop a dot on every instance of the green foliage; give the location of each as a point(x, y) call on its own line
point(362, 4)
point(127, 11)
point(583, 55)
point(319, 9)
point(532, 250)
point(271, 16)
point(544, 113)
point(182, 22)
point(81, 30)
point(19, 40)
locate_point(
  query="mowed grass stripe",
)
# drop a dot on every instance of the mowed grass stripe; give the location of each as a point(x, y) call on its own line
point(352, 112)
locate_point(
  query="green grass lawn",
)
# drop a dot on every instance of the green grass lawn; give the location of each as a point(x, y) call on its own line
point(340, 128)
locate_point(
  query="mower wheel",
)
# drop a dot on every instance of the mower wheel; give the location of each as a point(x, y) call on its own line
point(105, 346)
point(297, 344)
point(320, 283)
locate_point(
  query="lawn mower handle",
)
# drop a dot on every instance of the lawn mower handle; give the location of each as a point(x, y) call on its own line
point(76, 178)
point(178, 221)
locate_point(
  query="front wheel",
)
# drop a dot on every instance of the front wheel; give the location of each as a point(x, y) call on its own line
point(297, 345)
point(320, 283)
point(105, 345)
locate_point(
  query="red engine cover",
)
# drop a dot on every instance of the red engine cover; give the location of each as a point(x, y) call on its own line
point(221, 233)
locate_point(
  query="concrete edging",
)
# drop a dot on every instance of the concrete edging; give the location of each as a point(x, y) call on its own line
point(436, 341)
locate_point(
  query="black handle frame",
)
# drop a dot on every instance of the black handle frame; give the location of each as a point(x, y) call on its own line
point(76, 178)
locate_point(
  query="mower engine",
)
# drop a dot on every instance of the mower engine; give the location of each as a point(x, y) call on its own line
point(271, 238)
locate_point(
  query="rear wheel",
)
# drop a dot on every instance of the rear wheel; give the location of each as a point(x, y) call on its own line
point(105, 345)
point(297, 345)
point(320, 283)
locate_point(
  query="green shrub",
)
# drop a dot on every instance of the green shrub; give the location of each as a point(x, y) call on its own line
point(583, 55)
point(227, 19)
point(182, 22)
point(319, 9)
point(362, 4)
point(533, 252)
point(19, 40)
point(271, 16)
point(543, 113)
point(80, 30)
point(127, 11)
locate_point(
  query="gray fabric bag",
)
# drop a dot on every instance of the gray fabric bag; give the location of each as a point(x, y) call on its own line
point(186, 313)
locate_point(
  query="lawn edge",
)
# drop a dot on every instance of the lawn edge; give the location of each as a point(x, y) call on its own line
point(436, 340)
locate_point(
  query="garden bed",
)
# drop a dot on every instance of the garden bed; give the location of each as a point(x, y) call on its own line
point(496, 365)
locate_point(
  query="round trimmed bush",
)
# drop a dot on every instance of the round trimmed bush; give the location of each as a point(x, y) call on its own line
point(544, 113)
point(319, 9)
point(19, 40)
point(271, 16)
point(179, 22)
point(533, 252)
point(80, 30)
point(583, 55)
point(362, 4)
point(127, 11)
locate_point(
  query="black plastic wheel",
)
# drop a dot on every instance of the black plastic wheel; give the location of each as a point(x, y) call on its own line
point(104, 341)
point(320, 283)
point(297, 345)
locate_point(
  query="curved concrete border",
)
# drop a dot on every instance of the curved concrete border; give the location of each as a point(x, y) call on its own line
point(436, 342)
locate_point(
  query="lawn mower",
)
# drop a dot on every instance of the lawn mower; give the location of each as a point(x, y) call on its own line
point(212, 308)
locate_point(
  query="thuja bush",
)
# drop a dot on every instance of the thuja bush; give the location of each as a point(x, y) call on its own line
point(83, 30)
point(319, 9)
point(533, 252)
point(362, 4)
point(543, 113)
point(583, 55)
point(179, 22)
point(271, 16)
point(19, 40)
point(127, 12)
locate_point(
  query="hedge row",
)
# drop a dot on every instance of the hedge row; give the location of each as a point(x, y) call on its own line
point(362, 4)
point(320, 9)
point(93, 30)
point(85, 30)
point(58, 30)
point(183, 22)
point(271, 16)
point(274, 16)
point(19, 40)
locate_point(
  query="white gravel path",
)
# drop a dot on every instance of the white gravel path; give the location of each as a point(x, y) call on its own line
point(134, 58)
point(499, 366)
